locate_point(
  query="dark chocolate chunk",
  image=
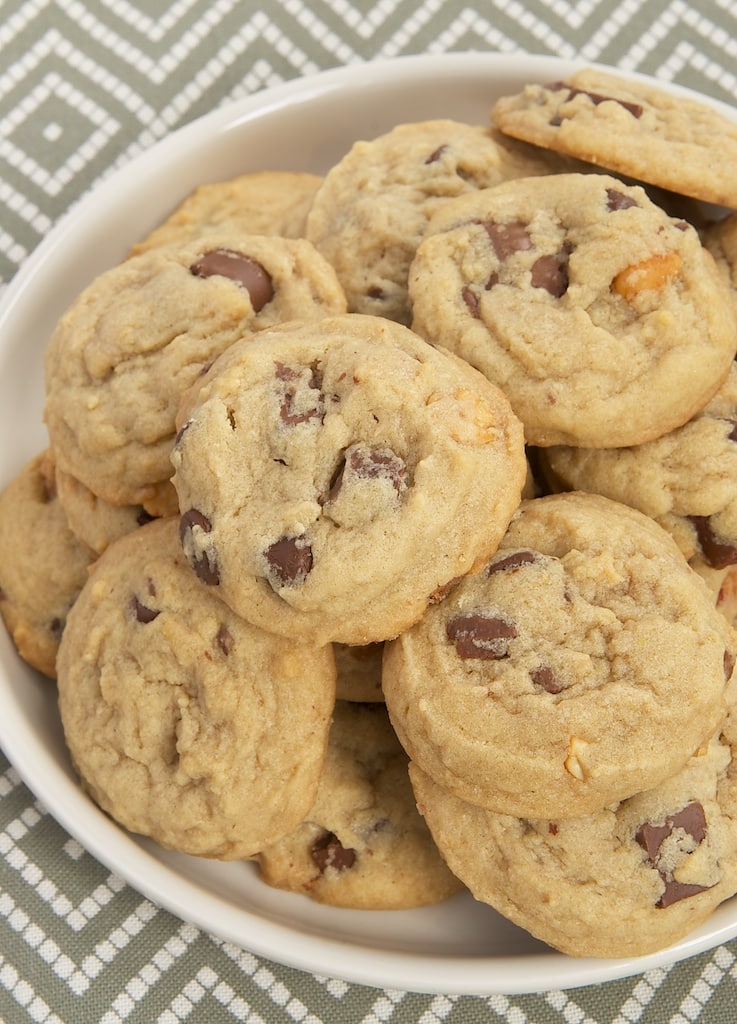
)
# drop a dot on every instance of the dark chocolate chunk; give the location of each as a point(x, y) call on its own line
point(302, 400)
point(551, 272)
point(675, 891)
point(617, 200)
point(508, 563)
point(328, 852)
point(651, 837)
point(369, 464)
point(732, 435)
point(717, 553)
point(372, 463)
point(690, 818)
point(142, 612)
point(596, 98)
point(508, 238)
point(240, 268)
point(205, 563)
point(289, 561)
point(478, 635)
point(436, 154)
point(544, 677)
point(472, 302)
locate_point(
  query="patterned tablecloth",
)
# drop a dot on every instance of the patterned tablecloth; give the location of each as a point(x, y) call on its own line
point(85, 85)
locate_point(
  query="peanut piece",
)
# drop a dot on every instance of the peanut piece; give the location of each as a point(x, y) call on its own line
point(574, 762)
point(465, 416)
point(651, 274)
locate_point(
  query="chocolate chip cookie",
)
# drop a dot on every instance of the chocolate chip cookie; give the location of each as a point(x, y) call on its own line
point(585, 663)
point(185, 723)
point(623, 881)
point(720, 239)
point(604, 320)
point(94, 522)
point(631, 127)
point(370, 212)
point(334, 477)
point(363, 844)
point(141, 333)
point(685, 480)
point(259, 203)
point(42, 564)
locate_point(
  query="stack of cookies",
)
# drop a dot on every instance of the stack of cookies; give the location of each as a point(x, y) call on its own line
point(413, 486)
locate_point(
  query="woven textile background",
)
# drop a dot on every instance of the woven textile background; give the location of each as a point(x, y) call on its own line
point(84, 87)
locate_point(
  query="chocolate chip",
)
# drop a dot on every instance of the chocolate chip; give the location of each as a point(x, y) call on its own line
point(732, 435)
point(374, 463)
point(596, 98)
point(436, 154)
point(299, 404)
point(204, 563)
point(717, 553)
point(472, 302)
point(508, 238)
point(336, 483)
point(367, 463)
point(617, 200)
point(509, 563)
point(692, 820)
point(144, 517)
point(728, 661)
point(328, 852)
point(551, 272)
point(544, 677)
point(240, 268)
point(224, 639)
point(476, 635)
point(675, 891)
point(289, 560)
point(142, 612)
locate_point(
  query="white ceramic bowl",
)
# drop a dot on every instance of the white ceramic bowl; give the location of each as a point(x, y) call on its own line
point(457, 947)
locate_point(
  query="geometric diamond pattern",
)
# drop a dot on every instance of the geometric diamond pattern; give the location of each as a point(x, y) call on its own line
point(85, 85)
